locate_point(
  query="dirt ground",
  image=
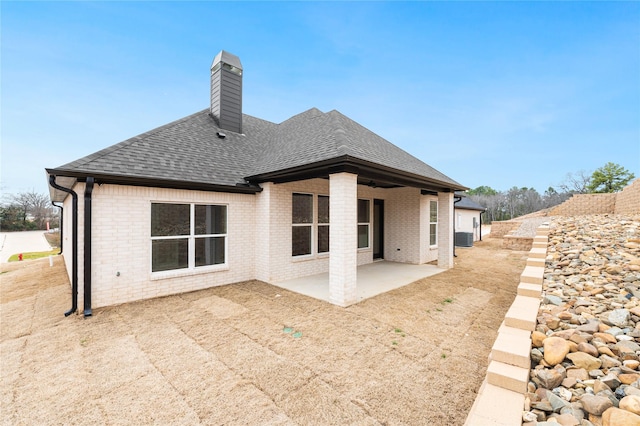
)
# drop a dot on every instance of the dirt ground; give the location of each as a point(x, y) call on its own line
point(251, 353)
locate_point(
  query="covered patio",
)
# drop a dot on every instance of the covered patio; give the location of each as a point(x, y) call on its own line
point(372, 279)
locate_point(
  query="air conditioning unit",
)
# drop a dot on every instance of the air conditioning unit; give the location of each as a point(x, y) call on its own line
point(464, 239)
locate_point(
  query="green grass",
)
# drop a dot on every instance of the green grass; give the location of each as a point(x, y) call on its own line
point(447, 300)
point(34, 255)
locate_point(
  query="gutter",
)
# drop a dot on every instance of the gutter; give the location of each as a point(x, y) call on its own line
point(457, 199)
point(60, 224)
point(481, 213)
point(88, 189)
point(74, 261)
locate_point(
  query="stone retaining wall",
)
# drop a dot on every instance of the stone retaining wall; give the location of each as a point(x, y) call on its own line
point(501, 398)
point(502, 228)
point(624, 202)
point(628, 201)
point(515, 242)
point(582, 204)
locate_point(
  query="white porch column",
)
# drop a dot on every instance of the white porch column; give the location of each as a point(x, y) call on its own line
point(343, 243)
point(445, 230)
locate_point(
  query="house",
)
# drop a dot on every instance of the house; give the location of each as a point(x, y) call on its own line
point(468, 217)
point(220, 197)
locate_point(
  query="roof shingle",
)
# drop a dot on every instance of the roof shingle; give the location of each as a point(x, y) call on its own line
point(189, 150)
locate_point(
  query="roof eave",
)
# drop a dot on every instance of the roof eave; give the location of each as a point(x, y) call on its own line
point(363, 168)
point(104, 178)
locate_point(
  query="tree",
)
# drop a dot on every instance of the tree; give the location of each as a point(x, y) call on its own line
point(552, 197)
point(483, 190)
point(610, 178)
point(576, 183)
point(27, 210)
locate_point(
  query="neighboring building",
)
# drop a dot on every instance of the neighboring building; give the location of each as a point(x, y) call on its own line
point(468, 217)
point(221, 197)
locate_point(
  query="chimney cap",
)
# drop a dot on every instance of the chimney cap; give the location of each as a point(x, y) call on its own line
point(227, 58)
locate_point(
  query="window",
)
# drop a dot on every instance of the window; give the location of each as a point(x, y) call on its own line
point(187, 236)
point(304, 222)
point(323, 224)
point(363, 223)
point(433, 223)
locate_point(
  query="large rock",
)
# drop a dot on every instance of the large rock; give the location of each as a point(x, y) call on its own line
point(595, 404)
point(619, 317)
point(609, 361)
point(590, 327)
point(578, 373)
point(565, 420)
point(631, 403)
point(605, 337)
point(537, 338)
point(617, 417)
point(583, 360)
point(627, 347)
point(588, 349)
point(555, 350)
point(629, 378)
point(549, 378)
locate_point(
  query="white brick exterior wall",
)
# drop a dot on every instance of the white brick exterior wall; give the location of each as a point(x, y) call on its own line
point(277, 259)
point(259, 237)
point(445, 230)
point(121, 244)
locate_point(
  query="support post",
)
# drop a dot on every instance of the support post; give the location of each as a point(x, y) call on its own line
point(343, 238)
point(445, 230)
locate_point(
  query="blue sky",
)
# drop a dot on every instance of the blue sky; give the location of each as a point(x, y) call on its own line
point(490, 93)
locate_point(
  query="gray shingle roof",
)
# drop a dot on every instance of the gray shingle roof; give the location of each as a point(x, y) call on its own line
point(314, 136)
point(468, 204)
point(189, 150)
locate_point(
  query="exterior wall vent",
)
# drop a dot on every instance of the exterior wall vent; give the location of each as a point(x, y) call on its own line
point(226, 91)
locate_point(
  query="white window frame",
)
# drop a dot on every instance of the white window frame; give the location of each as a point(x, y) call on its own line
point(310, 225)
point(314, 224)
point(433, 203)
point(191, 242)
point(318, 224)
point(367, 224)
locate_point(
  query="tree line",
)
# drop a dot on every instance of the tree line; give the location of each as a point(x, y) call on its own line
point(27, 211)
point(32, 211)
point(505, 205)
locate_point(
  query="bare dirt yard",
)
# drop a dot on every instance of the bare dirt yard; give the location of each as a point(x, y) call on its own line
point(252, 353)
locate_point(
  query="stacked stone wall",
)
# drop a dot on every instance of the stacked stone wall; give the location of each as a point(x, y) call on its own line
point(513, 242)
point(628, 201)
point(584, 204)
point(502, 228)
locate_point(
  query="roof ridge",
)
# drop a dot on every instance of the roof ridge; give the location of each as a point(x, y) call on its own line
point(316, 112)
point(341, 139)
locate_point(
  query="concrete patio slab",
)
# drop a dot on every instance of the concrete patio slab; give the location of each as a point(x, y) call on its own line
point(373, 279)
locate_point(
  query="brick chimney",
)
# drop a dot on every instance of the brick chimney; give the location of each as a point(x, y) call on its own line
point(226, 91)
